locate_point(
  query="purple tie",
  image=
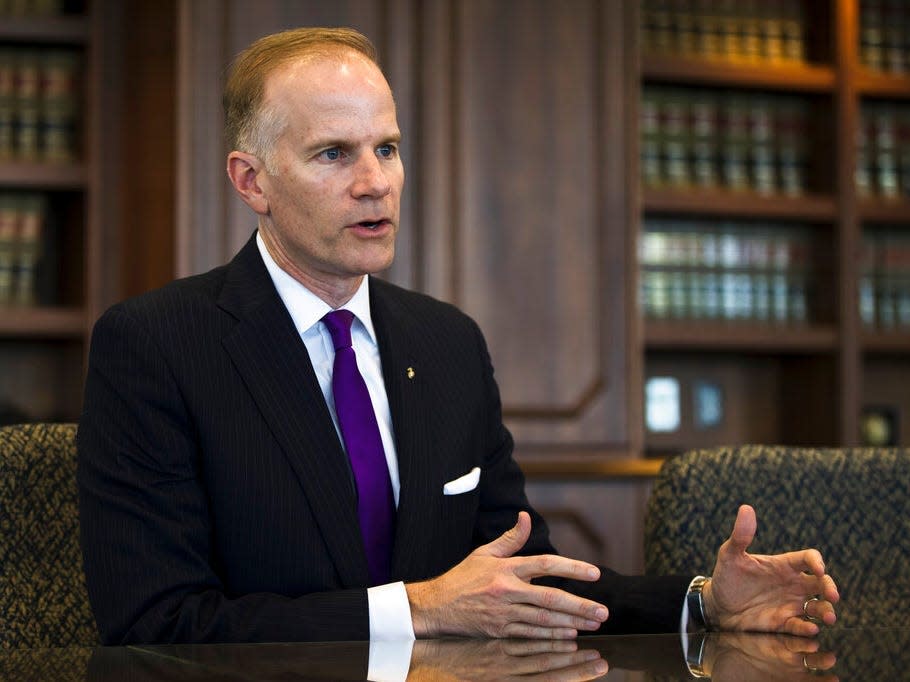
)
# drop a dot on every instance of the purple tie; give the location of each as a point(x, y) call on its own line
point(375, 503)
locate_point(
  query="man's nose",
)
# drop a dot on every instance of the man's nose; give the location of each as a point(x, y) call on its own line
point(370, 178)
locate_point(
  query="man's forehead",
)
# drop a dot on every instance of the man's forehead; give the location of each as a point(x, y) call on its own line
point(318, 75)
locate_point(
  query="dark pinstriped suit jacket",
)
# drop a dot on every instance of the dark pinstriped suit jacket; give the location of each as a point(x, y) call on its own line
point(216, 501)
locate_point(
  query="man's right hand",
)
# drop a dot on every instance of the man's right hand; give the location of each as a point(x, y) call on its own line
point(490, 594)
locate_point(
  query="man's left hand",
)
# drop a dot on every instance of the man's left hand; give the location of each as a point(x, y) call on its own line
point(767, 593)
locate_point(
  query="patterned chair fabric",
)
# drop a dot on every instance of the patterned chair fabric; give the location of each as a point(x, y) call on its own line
point(43, 599)
point(852, 504)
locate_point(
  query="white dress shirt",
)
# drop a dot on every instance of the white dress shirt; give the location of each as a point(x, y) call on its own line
point(390, 613)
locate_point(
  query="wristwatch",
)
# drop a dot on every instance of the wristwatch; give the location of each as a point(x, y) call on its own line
point(696, 603)
point(695, 655)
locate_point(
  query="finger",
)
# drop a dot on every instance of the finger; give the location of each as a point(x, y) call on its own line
point(798, 625)
point(823, 660)
point(824, 587)
point(589, 666)
point(530, 647)
point(829, 589)
point(511, 541)
point(528, 631)
point(800, 645)
point(541, 565)
point(560, 601)
point(591, 670)
point(821, 611)
point(743, 529)
point(808, 560)
point(541, 616)
point(546, 662)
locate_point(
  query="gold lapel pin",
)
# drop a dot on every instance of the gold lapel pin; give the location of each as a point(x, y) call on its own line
point(410, 372)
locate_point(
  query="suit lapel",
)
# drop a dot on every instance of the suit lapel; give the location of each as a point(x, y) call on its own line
point(272, 359)
point(406, 369)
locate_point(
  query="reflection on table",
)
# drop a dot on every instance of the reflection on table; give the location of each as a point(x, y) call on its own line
point(842, 654)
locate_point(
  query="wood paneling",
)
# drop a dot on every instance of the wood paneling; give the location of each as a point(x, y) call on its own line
point(148, 151)
point(600, 521)
point(522, 221)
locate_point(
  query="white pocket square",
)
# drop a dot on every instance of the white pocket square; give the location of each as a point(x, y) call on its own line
point(462, 484)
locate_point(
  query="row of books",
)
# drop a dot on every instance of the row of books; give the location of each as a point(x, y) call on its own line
point(709, 139)
point(39, 104)
point(883, 150)
point(726, 244)
point(752, 31)
point(730, 296)
point(32, 8)
point(725, 271)
point(22, 227)
point(884, 35)
point(884, 288)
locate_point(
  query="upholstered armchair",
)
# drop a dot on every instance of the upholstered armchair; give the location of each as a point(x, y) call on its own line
point(43, 599)
point(853, 504)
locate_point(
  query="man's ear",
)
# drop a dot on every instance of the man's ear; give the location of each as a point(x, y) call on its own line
point(244, 170)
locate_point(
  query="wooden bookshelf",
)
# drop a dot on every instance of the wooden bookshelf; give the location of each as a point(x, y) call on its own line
point(716, 73)
point(46, 340)
point(732, 204)
point(59, 30)
point(739, 336)
point(42, 322)
point(884, 210)
point(31, 175)
point(887, 342)
point(873, 84)
point(826, 361)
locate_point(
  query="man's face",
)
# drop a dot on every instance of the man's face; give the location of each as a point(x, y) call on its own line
point(335, 180)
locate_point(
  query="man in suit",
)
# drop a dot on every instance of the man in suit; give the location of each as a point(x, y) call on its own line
point(218, 501)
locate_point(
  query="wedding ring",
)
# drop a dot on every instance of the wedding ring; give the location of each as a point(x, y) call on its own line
point(806, 615)
point(809, 668)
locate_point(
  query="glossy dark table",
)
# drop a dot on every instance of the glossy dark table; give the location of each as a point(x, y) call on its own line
point(867, 654)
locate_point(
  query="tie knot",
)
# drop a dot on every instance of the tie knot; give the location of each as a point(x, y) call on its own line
point(339, 325)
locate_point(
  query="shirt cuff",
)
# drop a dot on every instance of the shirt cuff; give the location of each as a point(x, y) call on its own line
point(389, 661)
point(390, 613)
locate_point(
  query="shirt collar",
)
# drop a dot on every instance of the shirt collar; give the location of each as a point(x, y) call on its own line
point(305, 307)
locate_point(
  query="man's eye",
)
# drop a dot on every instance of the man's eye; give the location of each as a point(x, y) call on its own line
point(332, 154)
point(387, 151)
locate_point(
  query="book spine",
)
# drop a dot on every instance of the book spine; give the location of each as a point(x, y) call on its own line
point(871, 34)
point(9, 247)
point(761, 145)
point(734, 130)
point(60, 106)
point(790, 124)
point(892, 37)
point(867, 283)
point(28, 104)
point(704, 140)
point(675, 137)
point(793, 31)
point(650, 138)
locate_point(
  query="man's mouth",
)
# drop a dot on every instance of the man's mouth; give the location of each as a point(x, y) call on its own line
point(371, 224)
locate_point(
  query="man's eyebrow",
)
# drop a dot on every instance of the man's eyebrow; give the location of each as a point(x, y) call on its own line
point(328, 143)
point(340, 143)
